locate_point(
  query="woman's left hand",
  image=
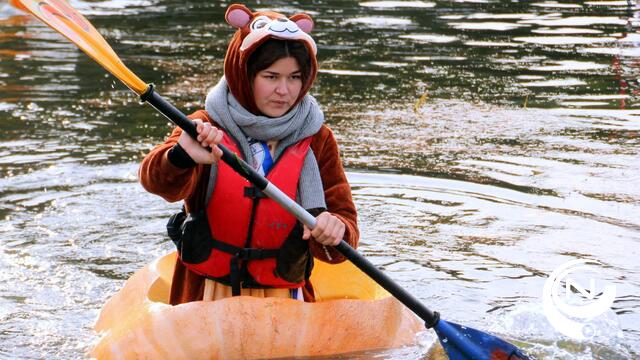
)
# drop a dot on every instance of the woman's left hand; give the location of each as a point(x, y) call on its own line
point(329, 230)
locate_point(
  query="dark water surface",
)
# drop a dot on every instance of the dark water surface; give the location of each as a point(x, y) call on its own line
point(487, 143)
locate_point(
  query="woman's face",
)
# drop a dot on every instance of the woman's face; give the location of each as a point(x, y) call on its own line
point(276, 88)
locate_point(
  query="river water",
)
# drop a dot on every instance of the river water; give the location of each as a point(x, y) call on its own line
point(487, 143)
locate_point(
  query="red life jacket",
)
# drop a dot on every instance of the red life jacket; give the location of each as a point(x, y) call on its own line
point(247, 231)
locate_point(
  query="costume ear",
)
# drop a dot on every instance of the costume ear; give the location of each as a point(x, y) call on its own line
point(238, 15)
point(303, 21)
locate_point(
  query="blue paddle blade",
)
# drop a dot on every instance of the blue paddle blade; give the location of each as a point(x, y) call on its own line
point(465, 343)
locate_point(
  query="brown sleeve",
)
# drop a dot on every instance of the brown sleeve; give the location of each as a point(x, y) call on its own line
point(337, 193)
point(159, 176)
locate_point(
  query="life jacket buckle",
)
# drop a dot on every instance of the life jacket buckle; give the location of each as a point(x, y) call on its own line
point(241, 254)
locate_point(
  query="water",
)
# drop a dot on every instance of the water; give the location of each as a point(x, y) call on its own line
point(486, 142)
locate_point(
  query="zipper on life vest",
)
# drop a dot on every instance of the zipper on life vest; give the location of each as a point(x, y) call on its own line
point(252, 218)
point(242, 271)
point(254, 206)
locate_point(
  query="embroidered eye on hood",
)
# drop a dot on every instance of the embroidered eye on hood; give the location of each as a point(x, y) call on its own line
point(254, 28)
point(280, 28)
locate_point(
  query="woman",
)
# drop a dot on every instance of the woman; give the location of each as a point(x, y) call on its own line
point(235, 241)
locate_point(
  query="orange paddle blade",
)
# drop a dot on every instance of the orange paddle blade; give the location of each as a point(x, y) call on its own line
point(18, 5)
point(60, 16)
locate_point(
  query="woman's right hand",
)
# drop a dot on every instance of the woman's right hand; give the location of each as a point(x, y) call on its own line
point(208, 136)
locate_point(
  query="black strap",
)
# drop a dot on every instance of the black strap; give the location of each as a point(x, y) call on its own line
point(236, 272)
point(245, 253)
point(253, 192)
point(258, 254)
point(234, 275)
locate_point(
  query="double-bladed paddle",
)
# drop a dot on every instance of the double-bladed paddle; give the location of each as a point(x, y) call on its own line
point(459, 342)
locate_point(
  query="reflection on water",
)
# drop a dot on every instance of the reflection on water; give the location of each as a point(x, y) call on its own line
point(488, 242)
point(488, 141)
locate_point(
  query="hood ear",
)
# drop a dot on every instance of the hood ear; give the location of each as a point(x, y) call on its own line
point(304, 22)
point(238, 15)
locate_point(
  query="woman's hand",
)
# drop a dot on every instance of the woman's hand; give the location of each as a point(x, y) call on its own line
point(329, 230)
point(208, 135)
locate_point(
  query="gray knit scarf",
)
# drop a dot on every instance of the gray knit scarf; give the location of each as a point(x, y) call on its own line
point(304, 120)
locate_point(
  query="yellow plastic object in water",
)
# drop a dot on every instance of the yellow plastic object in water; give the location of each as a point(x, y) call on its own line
point(352, 314)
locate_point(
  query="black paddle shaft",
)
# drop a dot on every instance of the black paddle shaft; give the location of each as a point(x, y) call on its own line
point(431, 318)
point(181, 120)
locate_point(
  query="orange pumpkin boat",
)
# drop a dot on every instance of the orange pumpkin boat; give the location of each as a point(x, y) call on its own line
point(352, 314)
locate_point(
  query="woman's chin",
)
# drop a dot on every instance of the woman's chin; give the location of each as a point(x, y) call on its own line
point(275, 112)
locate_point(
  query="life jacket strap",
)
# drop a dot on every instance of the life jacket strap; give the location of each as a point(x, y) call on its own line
point(237, 272)
point(253, 192)
point(245, 253)
point(234, 275)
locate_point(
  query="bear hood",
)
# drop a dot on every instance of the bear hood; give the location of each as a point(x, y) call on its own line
point(254, 28)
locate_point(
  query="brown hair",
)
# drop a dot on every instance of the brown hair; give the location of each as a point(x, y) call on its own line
point(273, 50)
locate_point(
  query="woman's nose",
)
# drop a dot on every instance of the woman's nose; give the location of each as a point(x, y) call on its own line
point(281, 87)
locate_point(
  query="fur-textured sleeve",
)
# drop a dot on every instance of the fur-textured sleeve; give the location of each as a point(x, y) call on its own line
point(337, 193)
point(161, 177)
